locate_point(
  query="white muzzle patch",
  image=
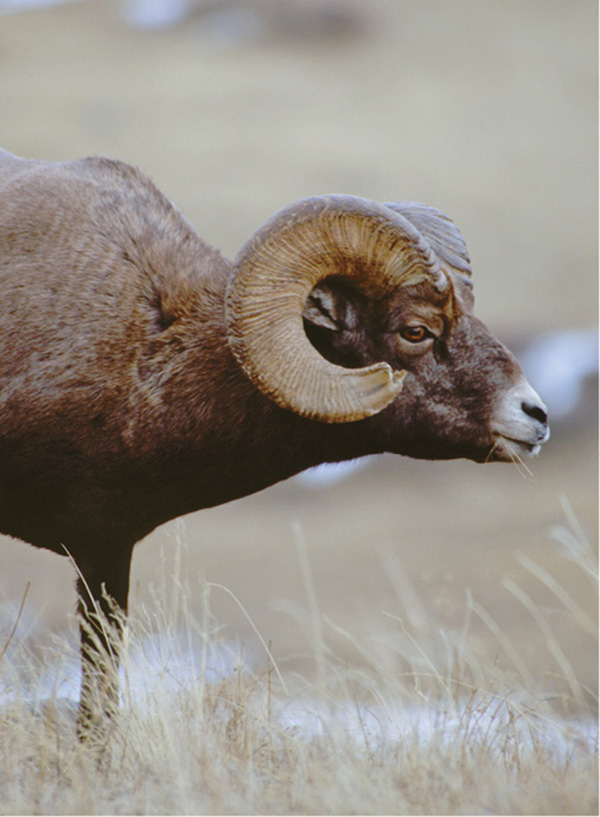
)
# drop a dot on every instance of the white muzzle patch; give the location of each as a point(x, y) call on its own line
point(520, 423)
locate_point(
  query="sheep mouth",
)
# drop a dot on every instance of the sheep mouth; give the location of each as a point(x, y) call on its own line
point(529, 448)
point(508, 449)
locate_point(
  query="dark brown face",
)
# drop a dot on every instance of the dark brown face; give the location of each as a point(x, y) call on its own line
point(464, 394)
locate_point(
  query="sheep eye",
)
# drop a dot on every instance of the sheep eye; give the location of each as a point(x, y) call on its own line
point(415, 334)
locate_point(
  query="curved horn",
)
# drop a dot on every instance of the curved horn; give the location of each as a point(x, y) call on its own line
point(273, 276)
point(442, 234)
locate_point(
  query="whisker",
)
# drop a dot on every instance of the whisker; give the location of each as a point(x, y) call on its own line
point(492, 449)
point(519, 463)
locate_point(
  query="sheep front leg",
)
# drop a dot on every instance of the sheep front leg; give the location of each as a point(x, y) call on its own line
point(102, 608)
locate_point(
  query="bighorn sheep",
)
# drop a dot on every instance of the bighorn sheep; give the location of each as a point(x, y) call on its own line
point(144, 376)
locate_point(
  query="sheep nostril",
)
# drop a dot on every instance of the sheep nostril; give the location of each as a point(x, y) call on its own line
point(535, 411)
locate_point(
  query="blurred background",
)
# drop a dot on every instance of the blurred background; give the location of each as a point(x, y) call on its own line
point(485, 110)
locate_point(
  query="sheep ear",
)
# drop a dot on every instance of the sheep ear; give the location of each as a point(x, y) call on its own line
point(329, 308)
point(441, 233)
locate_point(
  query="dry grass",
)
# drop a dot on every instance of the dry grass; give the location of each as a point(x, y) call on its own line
point(422, 725)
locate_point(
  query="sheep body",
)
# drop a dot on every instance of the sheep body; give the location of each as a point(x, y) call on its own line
point(124, 402)
point(98, 394)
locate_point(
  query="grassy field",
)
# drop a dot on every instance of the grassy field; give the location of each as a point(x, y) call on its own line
point(426, 724)
point(431, 625)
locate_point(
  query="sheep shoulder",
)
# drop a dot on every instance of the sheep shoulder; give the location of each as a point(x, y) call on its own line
point(107, 291)
point(75, 225)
